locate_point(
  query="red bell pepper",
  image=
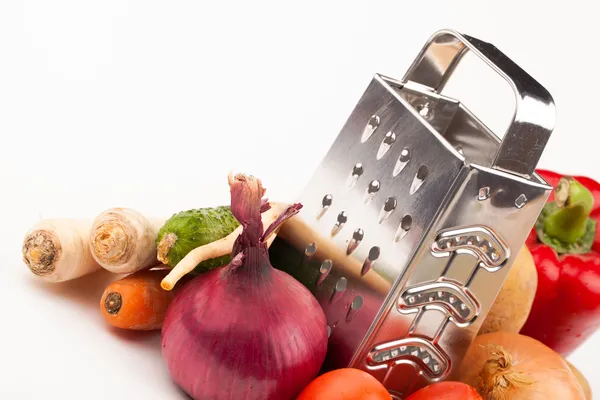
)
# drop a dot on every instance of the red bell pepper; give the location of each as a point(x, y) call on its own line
point(565, 245)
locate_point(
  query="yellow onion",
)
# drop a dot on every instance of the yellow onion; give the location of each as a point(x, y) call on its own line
point(504, 366)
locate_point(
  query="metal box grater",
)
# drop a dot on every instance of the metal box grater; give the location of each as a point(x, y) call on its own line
point(413, 219)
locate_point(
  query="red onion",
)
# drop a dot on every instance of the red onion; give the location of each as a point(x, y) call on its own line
point(247, 330)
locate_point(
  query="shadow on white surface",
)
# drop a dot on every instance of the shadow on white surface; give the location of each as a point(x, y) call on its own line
point(85, 291)
point(79, 299)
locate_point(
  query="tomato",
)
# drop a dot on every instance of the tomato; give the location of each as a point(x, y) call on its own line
point(345, 384)
point(446, 391)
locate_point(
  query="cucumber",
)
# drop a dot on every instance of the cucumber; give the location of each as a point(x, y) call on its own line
point(186, 230)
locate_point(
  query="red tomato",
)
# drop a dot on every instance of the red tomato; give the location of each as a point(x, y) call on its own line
point(446, 391)
point(345, 384)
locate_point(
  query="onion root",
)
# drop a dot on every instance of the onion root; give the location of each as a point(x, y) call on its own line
point(498, 377)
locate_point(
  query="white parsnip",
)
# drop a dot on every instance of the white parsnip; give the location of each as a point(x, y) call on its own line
point(58, 250)
point(218, 248)
point(123, 241)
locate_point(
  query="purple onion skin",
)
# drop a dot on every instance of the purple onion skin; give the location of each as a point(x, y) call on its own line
point(245, 331)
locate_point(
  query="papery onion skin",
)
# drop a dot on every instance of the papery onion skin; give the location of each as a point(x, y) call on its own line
point(536, 372)
point(246, 331)
point(583, 382)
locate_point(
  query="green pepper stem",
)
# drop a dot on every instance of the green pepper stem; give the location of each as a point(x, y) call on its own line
point(567, 222)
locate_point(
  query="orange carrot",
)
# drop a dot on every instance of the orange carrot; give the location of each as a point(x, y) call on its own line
point(137, 301)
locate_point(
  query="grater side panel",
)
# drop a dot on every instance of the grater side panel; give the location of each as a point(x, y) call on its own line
point(357, 232)
point(486, 198)
point(406, 310)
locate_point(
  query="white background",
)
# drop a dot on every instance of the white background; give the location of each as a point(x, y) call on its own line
point(149, 104)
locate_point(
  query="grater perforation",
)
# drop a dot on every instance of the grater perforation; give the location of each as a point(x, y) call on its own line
point(413, 219)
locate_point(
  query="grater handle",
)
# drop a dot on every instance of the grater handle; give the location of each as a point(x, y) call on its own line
point(534, 117)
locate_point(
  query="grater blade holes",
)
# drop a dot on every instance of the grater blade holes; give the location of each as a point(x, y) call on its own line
point(326, 203)
point(371, 127)
point(372, 189)
point(422, 174)
point(356, 305)
point(324, 270)
point(357, 171)
point(357, 237)
point(403, 159)
point(374, 186)
point(482, 242)
point(428, 357)
point(521, 201)
point(342, 218)
point(405, 155)
point(388, 207)
point(448, 296)
point(390, 204)
point(423, 109)
point(484, 193)
point(341, 284)
point(310, 251)
point(373, 255)
point(339, 288)
point(386, 144)
point(404, 227)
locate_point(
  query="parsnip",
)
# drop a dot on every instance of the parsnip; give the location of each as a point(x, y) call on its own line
point(217, 248)
point(58, 250)
point(124, 241)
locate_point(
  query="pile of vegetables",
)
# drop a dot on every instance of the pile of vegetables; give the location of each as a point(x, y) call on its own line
point(234, 327)
point(246, 324)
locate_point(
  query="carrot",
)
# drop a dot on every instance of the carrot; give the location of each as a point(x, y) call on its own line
point(57, 250)
point(123, 241)
point(137, 301)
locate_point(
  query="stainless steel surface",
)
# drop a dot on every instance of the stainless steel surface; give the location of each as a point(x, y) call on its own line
point(410, 225)
point(502, 228)
point(534, 116)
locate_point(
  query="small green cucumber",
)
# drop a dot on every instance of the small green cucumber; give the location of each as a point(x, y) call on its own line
point(186, 230)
